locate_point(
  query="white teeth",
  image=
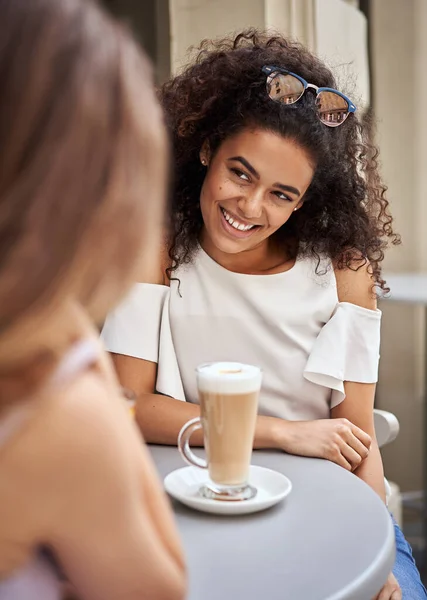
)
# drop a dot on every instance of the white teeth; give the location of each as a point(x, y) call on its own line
point(234, 223)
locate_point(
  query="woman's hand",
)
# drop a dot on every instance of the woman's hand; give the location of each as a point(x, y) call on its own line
point(337, 440)
point(391, 590)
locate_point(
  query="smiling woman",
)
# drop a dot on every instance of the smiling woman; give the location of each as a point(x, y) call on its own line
point(278, 228)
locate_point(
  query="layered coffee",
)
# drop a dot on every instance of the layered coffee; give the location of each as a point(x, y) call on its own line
point(228, 394)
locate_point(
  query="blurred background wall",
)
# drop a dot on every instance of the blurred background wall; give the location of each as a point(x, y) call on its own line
point(398, 51)
point(378, 51)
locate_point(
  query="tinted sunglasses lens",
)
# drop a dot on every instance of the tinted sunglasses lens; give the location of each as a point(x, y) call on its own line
point(333, 108)
point(284, 88)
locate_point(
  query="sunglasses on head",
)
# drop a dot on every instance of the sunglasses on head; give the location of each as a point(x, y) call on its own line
point(287, 88)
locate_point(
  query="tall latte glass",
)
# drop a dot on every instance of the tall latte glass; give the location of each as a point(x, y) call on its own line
point(228, 394)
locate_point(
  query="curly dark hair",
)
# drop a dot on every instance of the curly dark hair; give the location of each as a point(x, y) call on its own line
point(345, 212)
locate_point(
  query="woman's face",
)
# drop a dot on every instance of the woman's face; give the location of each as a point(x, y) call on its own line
point(253, 184)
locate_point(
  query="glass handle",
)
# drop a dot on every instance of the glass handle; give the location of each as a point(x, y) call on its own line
point(184, 444)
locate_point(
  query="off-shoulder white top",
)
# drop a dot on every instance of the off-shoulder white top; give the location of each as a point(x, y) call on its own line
point(291, 324)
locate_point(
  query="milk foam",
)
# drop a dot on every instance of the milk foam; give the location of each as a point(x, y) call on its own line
point(228, 378)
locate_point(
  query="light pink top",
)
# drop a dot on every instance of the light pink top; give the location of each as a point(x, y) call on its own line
point(37, 580)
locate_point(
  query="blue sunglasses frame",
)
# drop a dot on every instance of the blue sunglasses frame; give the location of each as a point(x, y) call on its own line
point(270, 69)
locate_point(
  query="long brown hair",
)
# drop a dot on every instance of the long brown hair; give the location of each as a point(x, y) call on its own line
point(82, 150)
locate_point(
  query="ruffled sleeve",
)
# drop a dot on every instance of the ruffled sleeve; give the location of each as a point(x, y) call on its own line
point(140, 327)
point(347, 349)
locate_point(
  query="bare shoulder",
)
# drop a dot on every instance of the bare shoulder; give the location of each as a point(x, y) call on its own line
point(356, 285)
point(77, 445)
point(91, 414)
point(76, 437)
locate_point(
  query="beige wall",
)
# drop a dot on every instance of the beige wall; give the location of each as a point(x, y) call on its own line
point(399, 52)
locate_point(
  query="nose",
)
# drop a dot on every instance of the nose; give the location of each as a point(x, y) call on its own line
point(251, 205)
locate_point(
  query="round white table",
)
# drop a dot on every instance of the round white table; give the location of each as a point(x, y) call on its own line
point(331, 539)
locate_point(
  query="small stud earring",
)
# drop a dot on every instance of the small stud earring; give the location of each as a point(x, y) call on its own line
point(203, 161)
point(295, 209)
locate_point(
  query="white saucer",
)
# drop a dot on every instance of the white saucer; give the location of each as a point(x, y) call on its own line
point(184, 484)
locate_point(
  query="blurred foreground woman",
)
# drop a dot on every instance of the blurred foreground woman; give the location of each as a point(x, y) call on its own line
point(82, 177)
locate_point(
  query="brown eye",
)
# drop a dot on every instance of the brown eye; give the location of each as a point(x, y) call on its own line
point(282, 196)
point(240, 174)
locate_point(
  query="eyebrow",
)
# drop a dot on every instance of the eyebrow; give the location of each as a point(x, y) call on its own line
point(254, 172)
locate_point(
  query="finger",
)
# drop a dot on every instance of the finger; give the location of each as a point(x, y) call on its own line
point(357, 446)
point(362, 436)
point(385, 593)
point(351, 456)
point(389, 592)
point(341, 460)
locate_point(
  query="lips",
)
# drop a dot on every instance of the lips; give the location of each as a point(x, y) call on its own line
point(235, 223)
point(235, 227)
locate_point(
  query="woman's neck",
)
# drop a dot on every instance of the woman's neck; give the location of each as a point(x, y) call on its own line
point(265, 259)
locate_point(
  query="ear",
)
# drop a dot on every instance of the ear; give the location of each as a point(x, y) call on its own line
point(205, 154)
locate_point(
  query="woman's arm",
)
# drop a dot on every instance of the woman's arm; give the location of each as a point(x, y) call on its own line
point(356, 287)
point(357, 407)
point(160, 419)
